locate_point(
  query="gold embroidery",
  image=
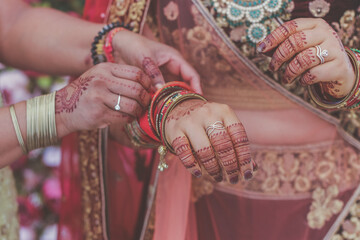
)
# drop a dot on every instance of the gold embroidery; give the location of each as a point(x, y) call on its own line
point(91, 185)
point(324, 206)
point(129, 12)
point(319, 8)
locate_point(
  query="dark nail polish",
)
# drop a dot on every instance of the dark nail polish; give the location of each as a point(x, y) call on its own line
point(255, 166)
point(234, 179)
point(261, 47)
point(218, 178)
point(271, 67)
point(248, 175)
point(197, 173)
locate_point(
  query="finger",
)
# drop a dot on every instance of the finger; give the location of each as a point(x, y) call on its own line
point(241, 144)
point(178, 66)
point(204, 152)
point(293, 45)
point(126, 105)
point(304, 61)
point(283, 32)
point(131, 73)
point(115, 117)
point(152, 70)
point(325, 72)
point(129, 89)
point(184, 151)
point(224, 150)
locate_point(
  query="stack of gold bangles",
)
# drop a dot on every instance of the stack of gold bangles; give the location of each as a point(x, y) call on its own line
point(40, 121)
point(352, 100)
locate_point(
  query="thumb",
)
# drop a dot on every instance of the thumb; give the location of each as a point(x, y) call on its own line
point(152, 70)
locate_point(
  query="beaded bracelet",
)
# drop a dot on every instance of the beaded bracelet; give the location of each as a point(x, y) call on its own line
point(351, 100)
point(97, 46)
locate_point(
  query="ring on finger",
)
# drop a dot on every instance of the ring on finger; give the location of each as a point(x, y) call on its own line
point(216, 125)
point(117, 106)
point(321, 54)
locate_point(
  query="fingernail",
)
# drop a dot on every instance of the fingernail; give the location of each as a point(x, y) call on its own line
point(255, 166)
point(248, 175)
point(197, 173)
point(271, 67)
point(261, 47)
point(218, 178)
point(159, 85)
point(234, 179)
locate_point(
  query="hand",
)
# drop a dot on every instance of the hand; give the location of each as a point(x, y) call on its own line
point(134, 49)
point(89, 101)
point(224, 146)
point(295, 43)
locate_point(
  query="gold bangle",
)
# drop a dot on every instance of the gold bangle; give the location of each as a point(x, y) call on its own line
point(315, 96)
point(179, 100)
point(17, 129)
point(40, 119)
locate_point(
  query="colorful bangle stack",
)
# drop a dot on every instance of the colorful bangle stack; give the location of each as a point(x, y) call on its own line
point(98, 46)
point(352, 100)
point(148, 130)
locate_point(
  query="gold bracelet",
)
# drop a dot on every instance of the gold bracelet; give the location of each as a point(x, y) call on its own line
point(178, 100)
point(315, 96)
point(17, 129)
point(40, 119)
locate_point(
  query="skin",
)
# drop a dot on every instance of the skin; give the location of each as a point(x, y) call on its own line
point(88, 102)
point(294, 43)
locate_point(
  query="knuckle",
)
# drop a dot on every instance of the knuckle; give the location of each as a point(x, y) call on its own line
point(321, 22)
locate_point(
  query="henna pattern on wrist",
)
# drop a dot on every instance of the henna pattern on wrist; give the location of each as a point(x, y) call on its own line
point(184, 109)
point(67, 98)
point(184, 152)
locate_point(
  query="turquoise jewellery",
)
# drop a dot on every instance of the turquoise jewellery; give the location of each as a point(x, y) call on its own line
point(252, 14)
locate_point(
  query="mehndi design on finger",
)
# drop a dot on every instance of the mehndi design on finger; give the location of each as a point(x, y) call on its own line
point(225, 152)
point(278, 36)
point(301, 63)
point(184, 152)
point(242, 148)
point(307, 79)
point(150, 68)
point(207, 158)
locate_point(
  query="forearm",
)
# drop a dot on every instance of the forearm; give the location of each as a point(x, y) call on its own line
point(45, 40)
point(10, 149)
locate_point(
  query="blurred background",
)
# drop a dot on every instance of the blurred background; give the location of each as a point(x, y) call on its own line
point(37, 178)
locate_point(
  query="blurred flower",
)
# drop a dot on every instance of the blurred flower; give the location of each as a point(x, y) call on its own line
point(31, 179)
point(27, 233)
point(28, 212)
point(52, 194)
point(13, 84)
point(52, 156)
point(50, 232)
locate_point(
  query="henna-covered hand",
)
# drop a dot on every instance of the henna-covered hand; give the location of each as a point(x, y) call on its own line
point(89, 101)
point(134, 49)
point(294, 43)
point(222, 150)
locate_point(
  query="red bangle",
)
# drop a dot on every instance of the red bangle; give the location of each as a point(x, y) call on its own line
point(108, 49)
point(146, 127)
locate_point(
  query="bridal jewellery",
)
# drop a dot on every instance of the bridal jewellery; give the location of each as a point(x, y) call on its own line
point(117, 106)
point(321, 54)
point(252, 14)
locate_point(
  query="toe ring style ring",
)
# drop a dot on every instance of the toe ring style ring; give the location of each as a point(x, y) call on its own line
point(216, 125)
point(321, 54)
point(117, 106)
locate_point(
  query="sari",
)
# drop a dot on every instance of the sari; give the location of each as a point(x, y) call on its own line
point(307, 185)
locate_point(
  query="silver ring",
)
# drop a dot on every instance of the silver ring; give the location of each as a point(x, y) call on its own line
point(216, 125)
point(117, 106)
point(321, 54)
